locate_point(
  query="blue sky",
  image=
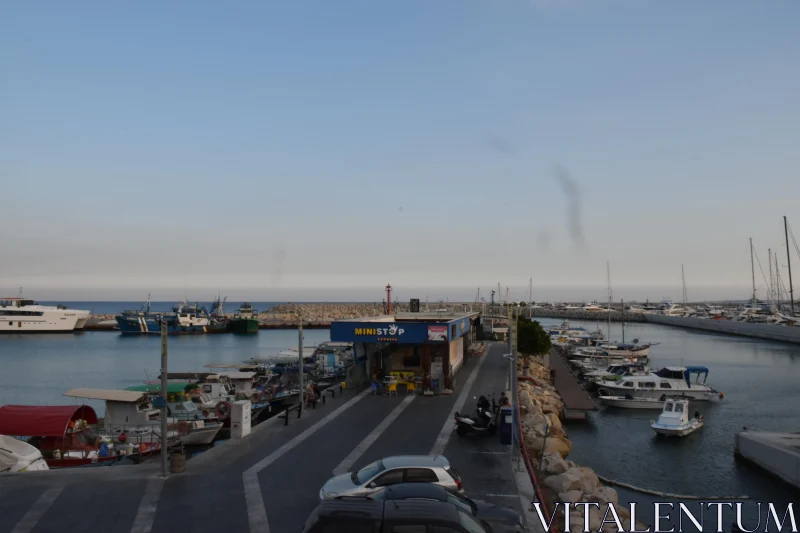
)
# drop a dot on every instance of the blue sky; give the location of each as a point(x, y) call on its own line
point(275, 146)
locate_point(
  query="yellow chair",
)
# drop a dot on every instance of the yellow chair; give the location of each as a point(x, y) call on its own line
point(411, 388)
point(392, 388)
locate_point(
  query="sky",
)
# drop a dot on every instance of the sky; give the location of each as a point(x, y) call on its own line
point(284, 150)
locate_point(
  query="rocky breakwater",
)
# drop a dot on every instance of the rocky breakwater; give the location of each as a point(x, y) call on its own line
point(547, 447)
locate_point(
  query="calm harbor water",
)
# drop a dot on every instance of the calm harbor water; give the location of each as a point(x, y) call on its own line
point(38, 369)
point(760, 380)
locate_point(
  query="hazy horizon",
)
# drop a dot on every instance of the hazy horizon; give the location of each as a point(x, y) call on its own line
point(402, 294)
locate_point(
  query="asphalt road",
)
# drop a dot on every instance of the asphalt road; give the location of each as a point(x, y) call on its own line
point(286, 465)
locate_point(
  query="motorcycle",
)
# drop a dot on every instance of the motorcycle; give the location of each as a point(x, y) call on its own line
point(484, 423)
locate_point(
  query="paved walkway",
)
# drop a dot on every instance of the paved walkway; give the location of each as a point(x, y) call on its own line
point(574, 396)
point(269, 482)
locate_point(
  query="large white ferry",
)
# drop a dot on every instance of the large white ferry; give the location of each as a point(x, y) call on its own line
point(18, 315)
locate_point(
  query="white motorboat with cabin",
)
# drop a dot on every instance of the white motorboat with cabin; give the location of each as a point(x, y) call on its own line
point(20, 315)
point(674, 420)
point(666, 382)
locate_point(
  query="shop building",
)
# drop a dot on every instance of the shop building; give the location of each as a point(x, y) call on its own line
point(427, 349)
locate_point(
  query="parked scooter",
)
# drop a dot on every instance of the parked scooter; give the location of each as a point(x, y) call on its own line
point(485, 422)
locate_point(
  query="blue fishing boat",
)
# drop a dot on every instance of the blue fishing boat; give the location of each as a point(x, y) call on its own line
point(144, 321)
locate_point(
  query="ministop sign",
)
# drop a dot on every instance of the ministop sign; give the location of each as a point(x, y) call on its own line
point(411, 332)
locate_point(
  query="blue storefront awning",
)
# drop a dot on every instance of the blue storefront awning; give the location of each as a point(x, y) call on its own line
point(399, 332)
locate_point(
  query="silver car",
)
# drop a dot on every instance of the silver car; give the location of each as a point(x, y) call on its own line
point(393, 470)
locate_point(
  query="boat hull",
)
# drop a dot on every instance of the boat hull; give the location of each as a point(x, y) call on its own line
point(700, 395)
point(631, 403)
point(676, 431)
point(243, 325)
point(202, 436)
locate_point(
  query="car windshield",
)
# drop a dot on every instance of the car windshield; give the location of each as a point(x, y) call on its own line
point(470, 524)
point(462, 503)
point(368, 472)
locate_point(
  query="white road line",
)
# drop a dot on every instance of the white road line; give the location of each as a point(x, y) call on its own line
point(37, 510)
point(447, 428)
point(256, 512)
point(146, 513)
point(359, 450)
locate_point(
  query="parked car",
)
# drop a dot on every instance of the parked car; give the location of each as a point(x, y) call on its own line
point(484, 511)
point(391, 471)
point(410, 516)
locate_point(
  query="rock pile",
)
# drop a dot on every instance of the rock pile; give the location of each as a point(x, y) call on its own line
point(561, 480)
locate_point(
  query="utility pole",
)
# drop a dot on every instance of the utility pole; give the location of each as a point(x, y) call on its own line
point(164, 436)
point(300, 362)
point(789, 263)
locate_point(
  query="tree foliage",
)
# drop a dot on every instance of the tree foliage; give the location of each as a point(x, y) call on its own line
point(533, 339)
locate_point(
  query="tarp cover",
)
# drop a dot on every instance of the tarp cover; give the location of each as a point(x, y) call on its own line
point(42, 420)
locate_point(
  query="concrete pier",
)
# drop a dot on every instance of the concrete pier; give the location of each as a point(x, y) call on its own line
point(777, 453)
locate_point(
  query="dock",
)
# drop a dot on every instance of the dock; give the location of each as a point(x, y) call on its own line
point(576, 399)
point(777, 453)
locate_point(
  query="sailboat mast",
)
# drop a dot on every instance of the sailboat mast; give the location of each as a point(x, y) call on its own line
point(753, 272)
point(608, 272)
point(683, 279)
point(777, 281)
point(622, 310)
point(771, 284)
point(789, 261)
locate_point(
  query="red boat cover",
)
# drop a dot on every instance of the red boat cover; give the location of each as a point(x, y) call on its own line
point(41, 420)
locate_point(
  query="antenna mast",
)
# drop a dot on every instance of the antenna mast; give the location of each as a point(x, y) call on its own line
point(388, 299)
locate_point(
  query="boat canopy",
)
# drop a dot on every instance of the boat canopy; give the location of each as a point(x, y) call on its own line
point(42, 420)
point(684, 373)
point(172, 388)
point(240, 366)
point(105, 394)
point(699, 370)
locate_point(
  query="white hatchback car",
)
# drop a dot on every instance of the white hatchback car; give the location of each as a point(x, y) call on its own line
point(390, 471)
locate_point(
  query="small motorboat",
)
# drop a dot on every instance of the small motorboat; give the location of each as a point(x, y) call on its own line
point(674, 420)
point(19, 456)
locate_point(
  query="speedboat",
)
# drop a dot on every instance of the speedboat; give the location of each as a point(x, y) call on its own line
point(674, 420)
point(669, 381)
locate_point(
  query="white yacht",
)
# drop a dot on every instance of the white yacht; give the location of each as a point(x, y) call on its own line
point(19, 315)
point(670, 381)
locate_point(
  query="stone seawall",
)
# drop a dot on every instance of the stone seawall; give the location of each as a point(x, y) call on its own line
point(547, 447)
point(770, 332)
